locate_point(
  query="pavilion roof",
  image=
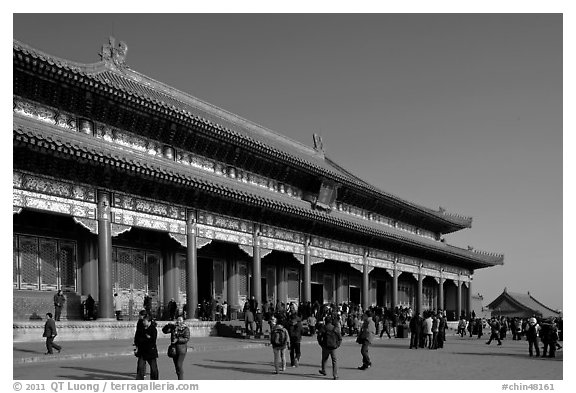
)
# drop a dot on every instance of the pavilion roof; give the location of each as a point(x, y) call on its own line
point(524, 301)
point(113, 78)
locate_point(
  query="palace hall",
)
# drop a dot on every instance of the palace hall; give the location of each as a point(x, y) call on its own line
point(125, 185)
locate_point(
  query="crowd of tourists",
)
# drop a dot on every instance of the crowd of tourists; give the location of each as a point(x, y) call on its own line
point(329, 323)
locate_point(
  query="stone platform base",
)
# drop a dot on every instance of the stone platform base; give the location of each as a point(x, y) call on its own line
point(31, 331)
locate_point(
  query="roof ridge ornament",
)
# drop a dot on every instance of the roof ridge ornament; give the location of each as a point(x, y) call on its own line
point(114, 54)
point(318, 144)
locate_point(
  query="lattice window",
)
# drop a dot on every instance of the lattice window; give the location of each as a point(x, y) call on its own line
point(328, 288)
point(271, 282)
point(15, 252)
point(139, 266)
point(242, 279)
point(153, 273)
point(218, 279)
point(293, 284)
point(181, 262)
point(345, 288)
point(124, 268)
point(67, 256)
point(405, 293)
point(48, 253)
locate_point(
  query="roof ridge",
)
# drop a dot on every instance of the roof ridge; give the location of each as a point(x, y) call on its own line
point(276, 141)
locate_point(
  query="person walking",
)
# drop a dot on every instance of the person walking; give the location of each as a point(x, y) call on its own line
point(329, 338)
point(50, 333)
point(295, 329)
point(179, 337)
point(365, 337)
point(59, 301)
point(279, 339)
point(249, 321)
point(146, 349)
point(494, 331)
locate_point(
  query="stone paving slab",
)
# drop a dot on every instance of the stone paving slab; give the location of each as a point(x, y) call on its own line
point(461, 359)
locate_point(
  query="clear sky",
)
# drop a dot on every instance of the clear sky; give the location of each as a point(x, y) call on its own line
point(462, 111)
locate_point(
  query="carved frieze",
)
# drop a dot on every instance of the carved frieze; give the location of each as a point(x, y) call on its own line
point(51, 186)
point(280, 245)
point(16, 210)
point(430, 272)
point(383, 264)
point(180, 238)
point(360, 268)
point(118, 229)
point(336, 246)
point(224, 222)
point(408, 268)
point(144, 220)
point(91, 225)
point(335, 255)
point(201, 242)
point(283, 234)
point(214, 233)
point(126, 202)
point(247, 249)
point(33, 200)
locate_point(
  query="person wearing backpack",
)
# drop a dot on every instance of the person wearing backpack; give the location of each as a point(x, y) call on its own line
point(279, 340)
point(295, 332)
point(329, 338)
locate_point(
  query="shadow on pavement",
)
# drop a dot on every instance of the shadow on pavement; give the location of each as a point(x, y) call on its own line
point(94, 373)
point(255, 371)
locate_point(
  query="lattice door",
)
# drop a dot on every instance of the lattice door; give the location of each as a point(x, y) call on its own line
point(153, 265)
point(15, 265)
point(140, 284)
point(48, 255)
point(328, 288)
point(67, 256)
point(271, 283)
point(124, 279)
point(181, 263)
point(293, 281)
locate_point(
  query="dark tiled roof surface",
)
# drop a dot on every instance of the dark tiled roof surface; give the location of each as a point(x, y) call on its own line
point(28, 131)
point(135, 84)
point(525, 301)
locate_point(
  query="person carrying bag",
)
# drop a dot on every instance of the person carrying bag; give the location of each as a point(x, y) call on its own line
point(179, 337)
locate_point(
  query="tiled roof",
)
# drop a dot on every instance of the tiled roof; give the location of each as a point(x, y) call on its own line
point(135, 84)
point(30, 132)
point(525, 301)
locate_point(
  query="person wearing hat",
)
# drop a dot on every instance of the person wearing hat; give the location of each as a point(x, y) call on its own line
point(295, 332)
point(532, 331)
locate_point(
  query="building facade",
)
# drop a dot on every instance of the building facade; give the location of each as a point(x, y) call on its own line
point(122, 184)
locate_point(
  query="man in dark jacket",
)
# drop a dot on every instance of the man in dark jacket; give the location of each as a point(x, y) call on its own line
point(59, 300)
point(415, 323)
point(295, 332)
point(50, 333)
point(147, 352)
point(329, 339)
point(494, 331)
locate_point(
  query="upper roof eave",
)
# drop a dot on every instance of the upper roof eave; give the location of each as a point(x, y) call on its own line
point(128, 80)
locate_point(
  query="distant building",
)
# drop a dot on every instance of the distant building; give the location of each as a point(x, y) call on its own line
point(520, 305)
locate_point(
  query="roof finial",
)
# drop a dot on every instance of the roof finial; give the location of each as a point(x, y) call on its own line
point(114, 54)
point(318, 143)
